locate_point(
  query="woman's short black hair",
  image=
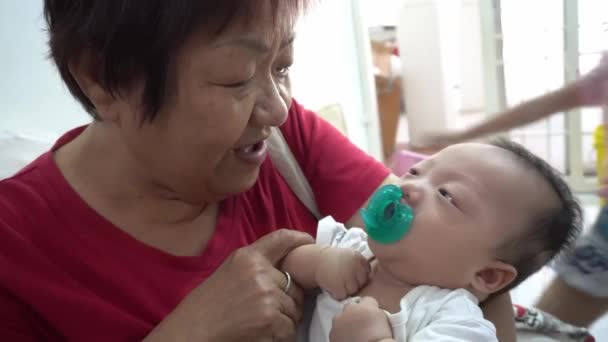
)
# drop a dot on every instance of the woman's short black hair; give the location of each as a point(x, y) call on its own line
point(137, 39)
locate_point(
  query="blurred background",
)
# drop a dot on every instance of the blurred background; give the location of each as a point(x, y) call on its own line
point(384, 71)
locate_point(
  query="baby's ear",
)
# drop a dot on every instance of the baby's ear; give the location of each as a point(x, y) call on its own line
point(493, 278)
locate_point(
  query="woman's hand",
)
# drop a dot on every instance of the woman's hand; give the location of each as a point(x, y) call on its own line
point(361, 322)
point(244, 300)
point(592, 87)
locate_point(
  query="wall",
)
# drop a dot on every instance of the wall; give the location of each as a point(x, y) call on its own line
point(471, 58)
point(32, 96)
point(34, 100)
point(382, 12)
point(441, 52)
point(331, 67)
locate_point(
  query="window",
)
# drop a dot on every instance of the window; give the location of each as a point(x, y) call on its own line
point(537, 60)
point(534, 63)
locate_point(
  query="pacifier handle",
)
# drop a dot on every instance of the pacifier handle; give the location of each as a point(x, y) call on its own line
point(387, 219)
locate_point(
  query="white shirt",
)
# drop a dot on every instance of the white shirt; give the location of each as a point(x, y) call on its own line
point(427, 313)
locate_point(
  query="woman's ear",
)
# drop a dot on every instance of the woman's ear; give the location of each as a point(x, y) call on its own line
point(493, 278)
point(84, 68)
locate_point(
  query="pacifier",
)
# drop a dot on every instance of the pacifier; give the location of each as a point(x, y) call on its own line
point(386, 218)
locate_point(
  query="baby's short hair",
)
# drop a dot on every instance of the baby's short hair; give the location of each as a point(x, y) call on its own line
point(551, 230)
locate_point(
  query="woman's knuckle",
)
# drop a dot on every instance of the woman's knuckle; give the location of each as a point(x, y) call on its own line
point(265, 291)
point(241, 255)
point(267, 316)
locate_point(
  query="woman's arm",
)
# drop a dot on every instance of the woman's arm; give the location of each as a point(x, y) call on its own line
point(499, 311)
point(525, 113)
point(589, 90)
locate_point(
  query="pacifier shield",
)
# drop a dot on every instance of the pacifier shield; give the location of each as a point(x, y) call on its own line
point(386, 218)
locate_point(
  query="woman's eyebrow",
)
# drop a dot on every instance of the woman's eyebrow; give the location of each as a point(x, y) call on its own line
point(256, 45)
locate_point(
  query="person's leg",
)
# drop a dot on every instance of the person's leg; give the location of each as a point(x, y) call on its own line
point(571, 305)
point(579, 294)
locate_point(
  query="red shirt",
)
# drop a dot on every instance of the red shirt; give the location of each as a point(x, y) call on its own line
point(67, 273)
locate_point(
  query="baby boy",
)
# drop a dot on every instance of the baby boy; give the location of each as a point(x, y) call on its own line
point(486, 216)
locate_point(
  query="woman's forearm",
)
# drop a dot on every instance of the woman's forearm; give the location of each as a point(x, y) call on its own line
point(499, 310)
point(525, 113)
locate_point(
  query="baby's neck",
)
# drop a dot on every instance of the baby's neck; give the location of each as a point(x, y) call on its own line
point(389, 290)
point(385, 288)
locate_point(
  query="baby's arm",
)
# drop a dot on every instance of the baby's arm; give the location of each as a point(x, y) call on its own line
point(339, 271)
point(302, 264)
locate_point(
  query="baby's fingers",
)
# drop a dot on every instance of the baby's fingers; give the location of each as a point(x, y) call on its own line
point(363, 273)
point(352, 285)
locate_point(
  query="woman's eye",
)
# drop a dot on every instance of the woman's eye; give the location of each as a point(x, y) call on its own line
point(414, 172)
point(283, 71)
point(237, 84)
point(446, 194)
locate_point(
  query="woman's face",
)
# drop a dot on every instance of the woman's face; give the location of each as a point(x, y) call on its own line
point(228, 90)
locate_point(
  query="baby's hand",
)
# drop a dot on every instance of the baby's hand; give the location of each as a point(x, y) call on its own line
point(363, 321)
point(342, 272)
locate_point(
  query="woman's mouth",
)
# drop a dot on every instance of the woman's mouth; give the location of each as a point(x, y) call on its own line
point(253, 154)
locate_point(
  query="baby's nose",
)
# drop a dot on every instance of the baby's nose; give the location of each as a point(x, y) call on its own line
point(412, 194)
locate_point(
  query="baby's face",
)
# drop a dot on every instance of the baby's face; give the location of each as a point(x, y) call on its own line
point(467, 200)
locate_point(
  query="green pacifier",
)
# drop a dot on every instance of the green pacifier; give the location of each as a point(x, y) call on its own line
point(386, 218)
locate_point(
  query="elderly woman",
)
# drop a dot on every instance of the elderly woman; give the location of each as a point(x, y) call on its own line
point(161, 219)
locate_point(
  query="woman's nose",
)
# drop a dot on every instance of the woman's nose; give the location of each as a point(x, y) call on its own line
point(272, 107)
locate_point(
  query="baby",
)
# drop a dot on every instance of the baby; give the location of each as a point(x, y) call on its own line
point(486, 216)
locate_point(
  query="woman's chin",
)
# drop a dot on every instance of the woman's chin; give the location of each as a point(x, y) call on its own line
point(236, 184)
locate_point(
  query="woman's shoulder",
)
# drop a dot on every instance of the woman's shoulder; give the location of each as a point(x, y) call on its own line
point(24, 197)
point(331, 163)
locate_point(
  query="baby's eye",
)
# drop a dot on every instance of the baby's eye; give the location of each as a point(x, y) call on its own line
point(443, 192)
point(414, 172)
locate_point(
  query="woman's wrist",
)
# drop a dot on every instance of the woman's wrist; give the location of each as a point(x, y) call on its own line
point(172, 329)
point(164, 335)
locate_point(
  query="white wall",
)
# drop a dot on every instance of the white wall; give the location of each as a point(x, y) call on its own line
point(34, 100)
point(471, 58)
point(381, 12)
point(32, 96)
point(330, 67)
point(441, 53)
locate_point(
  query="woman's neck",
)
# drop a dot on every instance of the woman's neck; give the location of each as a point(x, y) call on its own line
point(100, 168)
